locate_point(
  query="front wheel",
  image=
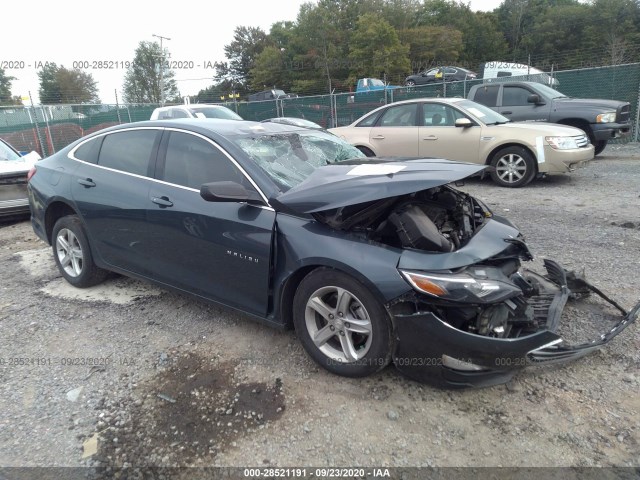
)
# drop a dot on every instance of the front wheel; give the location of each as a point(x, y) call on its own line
point(341, 324)
point(411, 83)
point(73, 255)
point(513, 167)
point(599, 146)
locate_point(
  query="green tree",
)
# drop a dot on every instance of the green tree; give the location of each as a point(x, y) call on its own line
point(5, 88)
point(142, 79)
point(241, 54)
point(269, 70)
point(482, 37)
point(376, 51)
point(62, 85)
point(432, 45)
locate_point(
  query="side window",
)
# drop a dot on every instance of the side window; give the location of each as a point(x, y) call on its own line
point(439, 115)
point(512, 96)
point(191, 161)
point(399, 116)
point(487, 95)
point(128, 151)
point(179, 113)
point(89, 151)
point(504, 74)
point(369, 121)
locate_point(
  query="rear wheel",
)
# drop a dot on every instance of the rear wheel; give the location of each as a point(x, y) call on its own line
point(366, 151)
point(513, 167)
point(341, 324)
point(410, 83)
point(73, 255)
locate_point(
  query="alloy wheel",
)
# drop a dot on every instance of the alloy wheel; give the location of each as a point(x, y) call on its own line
point(511, 168)
point(338, 324)
point(69, 252)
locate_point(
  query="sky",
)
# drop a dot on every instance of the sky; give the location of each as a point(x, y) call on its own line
point(104, 36)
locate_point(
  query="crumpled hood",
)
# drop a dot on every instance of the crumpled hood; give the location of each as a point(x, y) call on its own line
point(357, 181)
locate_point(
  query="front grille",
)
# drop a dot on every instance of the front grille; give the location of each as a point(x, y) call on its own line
point(623, 114)
point(582, 141)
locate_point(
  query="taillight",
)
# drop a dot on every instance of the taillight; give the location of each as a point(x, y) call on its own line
point(31, 173)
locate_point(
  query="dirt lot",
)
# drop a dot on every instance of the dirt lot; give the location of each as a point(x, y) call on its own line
point(152, 378)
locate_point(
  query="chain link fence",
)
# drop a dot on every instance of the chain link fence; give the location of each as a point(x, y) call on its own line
point(48, 128)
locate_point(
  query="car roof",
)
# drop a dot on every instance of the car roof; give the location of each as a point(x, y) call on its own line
point(190, 105)
point(220, 126)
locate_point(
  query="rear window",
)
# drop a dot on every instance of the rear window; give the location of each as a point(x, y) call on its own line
point(487, 95)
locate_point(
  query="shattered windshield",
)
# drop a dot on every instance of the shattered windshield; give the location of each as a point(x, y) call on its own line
point(289, 158)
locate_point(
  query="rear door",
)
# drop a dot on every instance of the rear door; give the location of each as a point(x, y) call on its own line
point(110, 188)
point(218, 250)
point(395, 133)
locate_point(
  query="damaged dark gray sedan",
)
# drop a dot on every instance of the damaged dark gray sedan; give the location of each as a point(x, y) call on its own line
point(372, 261)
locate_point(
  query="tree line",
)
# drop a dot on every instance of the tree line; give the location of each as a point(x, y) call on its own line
point(332, 43)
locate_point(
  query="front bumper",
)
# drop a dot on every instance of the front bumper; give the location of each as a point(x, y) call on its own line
point(609, 131)
point(428, 349)
point(563, 161)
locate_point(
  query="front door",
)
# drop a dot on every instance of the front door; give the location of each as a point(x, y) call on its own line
point(219, 250)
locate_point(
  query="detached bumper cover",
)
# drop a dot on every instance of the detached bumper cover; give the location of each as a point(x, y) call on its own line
point(425, 341)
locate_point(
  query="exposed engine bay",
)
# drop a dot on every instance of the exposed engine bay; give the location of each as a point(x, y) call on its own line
point(439, 219)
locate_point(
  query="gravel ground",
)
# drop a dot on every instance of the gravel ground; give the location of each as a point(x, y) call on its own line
point(152, 378)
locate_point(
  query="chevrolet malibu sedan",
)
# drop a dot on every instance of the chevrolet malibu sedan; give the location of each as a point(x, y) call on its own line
point(459, 129)
point(372, 261)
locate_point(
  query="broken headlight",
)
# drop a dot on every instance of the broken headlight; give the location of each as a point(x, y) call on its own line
point(477, 285)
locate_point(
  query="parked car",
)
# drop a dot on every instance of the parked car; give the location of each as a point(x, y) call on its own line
point(439, 74)
point(298, 122)
point(602, 120)
point(272, 94)
point(198, 110)
point(13, 180)
point(369, 260)
point(365, 85)
point(459, 129)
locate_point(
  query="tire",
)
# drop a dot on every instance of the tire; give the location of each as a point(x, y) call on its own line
point(366, 151)
point(342, 346)
point(513, 167)
point(73, 255)
point(410, 83)
point(599, 146)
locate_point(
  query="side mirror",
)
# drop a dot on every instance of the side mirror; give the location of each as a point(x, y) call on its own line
point(228, 192)
point(535, 99)
point(463, 123)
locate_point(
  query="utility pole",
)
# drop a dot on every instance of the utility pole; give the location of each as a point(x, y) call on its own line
point(161, 67)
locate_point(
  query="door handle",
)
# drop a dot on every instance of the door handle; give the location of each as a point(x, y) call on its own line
point(86, 182)
point(378, 137)
point(508, 112)
point(430, 137)
point(162, 201)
